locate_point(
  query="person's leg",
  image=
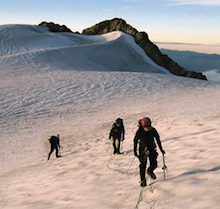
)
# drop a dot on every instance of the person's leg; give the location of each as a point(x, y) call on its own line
point(153, 164)
point(114, 146)
point(118, 146)
point(51, 150)
point(57, 152)
point(143, 172)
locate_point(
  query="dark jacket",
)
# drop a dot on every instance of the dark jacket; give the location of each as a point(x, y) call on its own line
point(55, 141)
point(117, 132)
point(147, 139)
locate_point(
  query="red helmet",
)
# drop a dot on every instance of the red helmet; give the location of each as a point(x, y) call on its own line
point(146, 122)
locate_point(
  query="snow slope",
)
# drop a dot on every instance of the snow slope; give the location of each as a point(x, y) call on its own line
point(76, 86)
point(33, 47)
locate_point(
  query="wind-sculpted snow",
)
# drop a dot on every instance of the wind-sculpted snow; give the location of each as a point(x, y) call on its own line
point(34, 47)
point(77, 86)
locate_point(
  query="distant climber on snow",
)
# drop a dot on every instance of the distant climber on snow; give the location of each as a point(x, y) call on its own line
point(146, 135)
point(55, 144)
point(118, 134)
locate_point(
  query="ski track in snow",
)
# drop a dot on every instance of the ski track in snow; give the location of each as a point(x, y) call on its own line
point(77, 86)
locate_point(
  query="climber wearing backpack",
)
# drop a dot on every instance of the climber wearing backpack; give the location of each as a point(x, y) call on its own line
point(146, 135)
point(117, 133)
point(55, 144)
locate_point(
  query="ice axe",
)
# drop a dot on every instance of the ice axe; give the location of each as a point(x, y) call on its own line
point(164, 168)
point(122, 145)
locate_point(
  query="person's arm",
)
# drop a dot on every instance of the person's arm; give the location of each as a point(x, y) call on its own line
point(136, 138)
point(157, 137)
point(111, 132)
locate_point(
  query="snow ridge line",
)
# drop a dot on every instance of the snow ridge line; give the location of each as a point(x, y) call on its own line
point(111, 37)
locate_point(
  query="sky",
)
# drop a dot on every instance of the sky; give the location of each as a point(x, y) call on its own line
point(182, 24)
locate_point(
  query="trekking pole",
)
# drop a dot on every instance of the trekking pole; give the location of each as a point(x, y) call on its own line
point(164, 168)
point(121, 146)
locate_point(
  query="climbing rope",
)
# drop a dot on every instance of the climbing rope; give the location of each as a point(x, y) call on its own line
point(139, 198)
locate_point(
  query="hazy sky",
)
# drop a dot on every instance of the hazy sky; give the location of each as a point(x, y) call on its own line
point(175, 21)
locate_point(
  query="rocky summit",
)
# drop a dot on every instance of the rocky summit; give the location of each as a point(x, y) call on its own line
point(141, 38)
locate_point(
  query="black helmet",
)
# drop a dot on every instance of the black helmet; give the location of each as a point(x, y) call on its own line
point(118, 121)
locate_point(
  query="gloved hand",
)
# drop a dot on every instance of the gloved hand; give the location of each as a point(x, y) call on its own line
point(163, 152)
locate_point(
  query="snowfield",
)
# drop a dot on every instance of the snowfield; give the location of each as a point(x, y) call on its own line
point(77, 85)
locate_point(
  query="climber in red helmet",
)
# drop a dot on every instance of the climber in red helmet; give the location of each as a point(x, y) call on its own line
point(146, 135)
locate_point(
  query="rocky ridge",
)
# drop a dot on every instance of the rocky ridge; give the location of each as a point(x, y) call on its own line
point(141, 38)
point(55, 27)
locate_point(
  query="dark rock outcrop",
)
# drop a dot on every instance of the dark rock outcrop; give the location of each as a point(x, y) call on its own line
point(141, 38)
point(55, 27)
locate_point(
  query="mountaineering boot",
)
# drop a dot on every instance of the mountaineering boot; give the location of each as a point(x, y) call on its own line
point(48, 156)
point(143, 183)
point(118, 151)
point(151, 174)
